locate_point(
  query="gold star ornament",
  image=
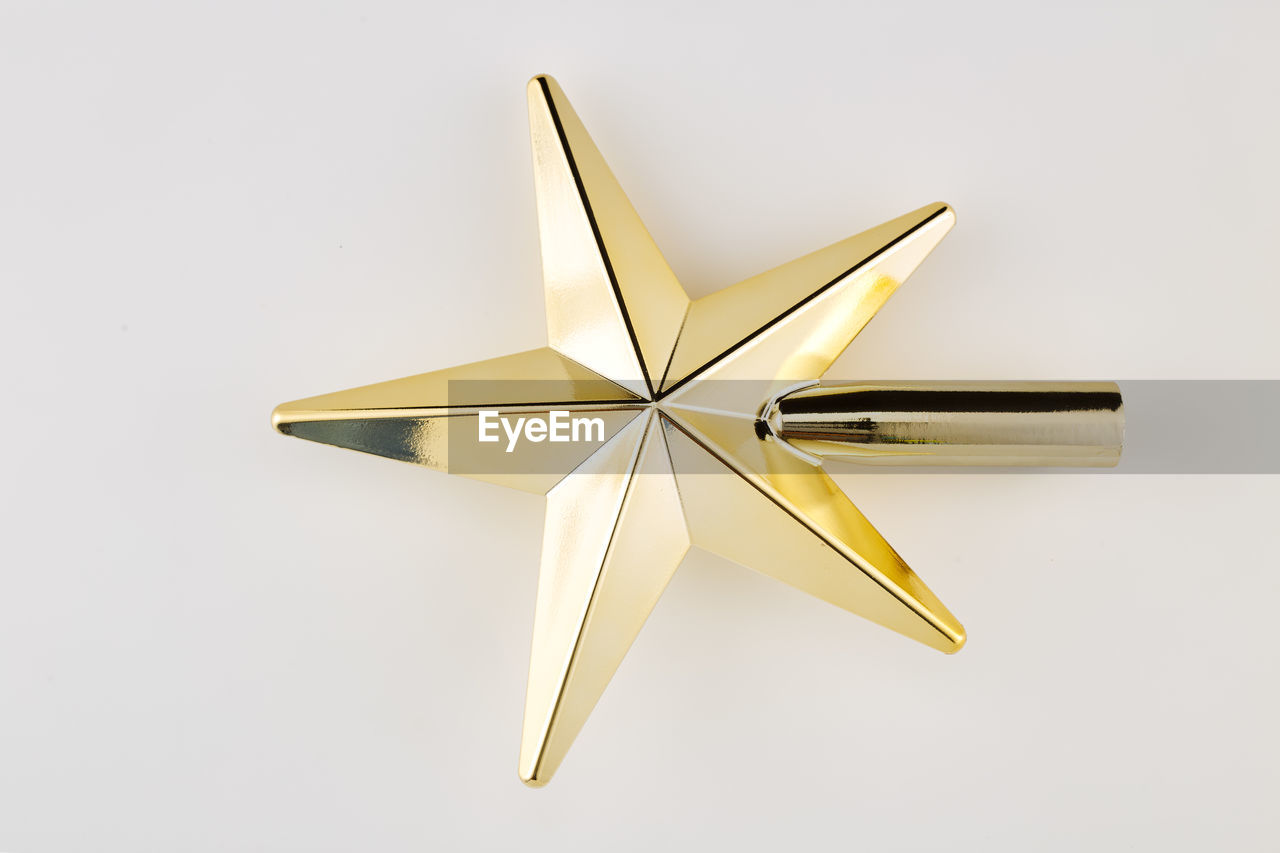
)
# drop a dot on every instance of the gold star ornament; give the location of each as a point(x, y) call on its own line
point(655, 423)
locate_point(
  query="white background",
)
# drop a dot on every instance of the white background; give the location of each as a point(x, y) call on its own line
point(215, 638)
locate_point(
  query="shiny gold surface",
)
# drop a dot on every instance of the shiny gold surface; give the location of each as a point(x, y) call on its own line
point(687, 459)
point(1078, 424)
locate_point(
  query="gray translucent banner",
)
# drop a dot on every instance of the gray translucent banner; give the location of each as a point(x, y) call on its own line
point(1207, 426)
point(1169, 427)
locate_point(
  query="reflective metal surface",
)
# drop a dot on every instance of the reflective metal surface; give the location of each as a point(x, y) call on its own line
point(955, 423)
point(684, 462)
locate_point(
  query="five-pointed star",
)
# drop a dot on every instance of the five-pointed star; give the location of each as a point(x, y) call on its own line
point(684, 462)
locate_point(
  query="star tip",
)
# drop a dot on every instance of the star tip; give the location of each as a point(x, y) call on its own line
point(534, 779)
point(283, 418)
point(958, 639)
point(536, 81)
point(536, 766)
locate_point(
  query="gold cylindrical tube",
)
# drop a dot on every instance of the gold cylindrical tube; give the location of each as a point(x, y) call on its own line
point(1078, 424)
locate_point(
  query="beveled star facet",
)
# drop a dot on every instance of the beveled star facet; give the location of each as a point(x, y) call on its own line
point(680, 385)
